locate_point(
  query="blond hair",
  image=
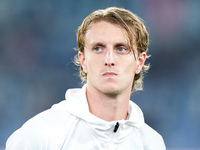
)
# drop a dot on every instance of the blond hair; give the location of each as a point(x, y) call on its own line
point(127, 20)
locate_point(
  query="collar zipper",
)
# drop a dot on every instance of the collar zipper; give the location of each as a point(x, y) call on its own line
point(116, 127)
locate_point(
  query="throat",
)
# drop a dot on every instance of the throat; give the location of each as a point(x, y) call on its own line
point(108, 107)
point(109, 111)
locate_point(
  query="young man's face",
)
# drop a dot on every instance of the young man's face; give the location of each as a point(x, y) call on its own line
point(107, 60)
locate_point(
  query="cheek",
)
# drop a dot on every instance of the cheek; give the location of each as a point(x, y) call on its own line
point(130, 71)
point(131, 67)
point(84, 68)
point(89, 65)
point(94, 68)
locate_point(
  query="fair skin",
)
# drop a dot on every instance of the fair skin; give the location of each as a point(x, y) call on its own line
point(110, 68)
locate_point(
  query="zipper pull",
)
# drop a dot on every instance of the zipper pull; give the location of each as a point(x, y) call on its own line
point(116, 127)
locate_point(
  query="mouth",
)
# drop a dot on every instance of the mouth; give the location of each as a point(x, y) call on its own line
point(109, 74)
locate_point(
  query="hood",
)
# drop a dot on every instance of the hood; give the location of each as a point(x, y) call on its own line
point(76, 104)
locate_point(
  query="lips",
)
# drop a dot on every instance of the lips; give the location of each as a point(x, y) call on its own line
point(109, 74)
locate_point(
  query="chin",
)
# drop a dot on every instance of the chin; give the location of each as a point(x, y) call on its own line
point(111, 92)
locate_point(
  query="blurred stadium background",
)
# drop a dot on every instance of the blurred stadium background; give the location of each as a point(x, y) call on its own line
point(36, 52)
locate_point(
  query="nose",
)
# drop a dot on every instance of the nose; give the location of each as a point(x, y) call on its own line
point(109, 58)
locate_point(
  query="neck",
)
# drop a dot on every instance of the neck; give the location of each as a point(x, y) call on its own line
point(108, 107)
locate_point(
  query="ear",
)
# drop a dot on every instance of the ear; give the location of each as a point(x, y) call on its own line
point(81, 57)
point(140, 62)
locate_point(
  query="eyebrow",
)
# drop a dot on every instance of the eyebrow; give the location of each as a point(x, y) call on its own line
point(104, 45)
point(121, 44)
point(97, 44)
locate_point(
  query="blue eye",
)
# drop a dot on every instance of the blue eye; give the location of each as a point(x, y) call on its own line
point(97, 49)
point(121, 49)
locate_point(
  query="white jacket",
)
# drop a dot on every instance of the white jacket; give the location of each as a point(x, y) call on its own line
point(69, 125)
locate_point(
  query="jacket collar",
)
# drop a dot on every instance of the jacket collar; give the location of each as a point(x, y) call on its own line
point(76, 104)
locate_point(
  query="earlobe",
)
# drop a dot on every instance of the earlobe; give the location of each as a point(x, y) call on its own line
point(140, 62)
point(82, 61)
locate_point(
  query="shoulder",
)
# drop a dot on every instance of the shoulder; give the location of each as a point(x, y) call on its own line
point(151, 138)
point(41, 130)
point(56, 116)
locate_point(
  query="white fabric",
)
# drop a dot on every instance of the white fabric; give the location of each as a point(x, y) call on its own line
point(69, 125)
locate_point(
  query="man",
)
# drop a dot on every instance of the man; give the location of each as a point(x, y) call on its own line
point(112, 46)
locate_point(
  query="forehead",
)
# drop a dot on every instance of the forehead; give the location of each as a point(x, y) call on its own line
point(105, 31)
